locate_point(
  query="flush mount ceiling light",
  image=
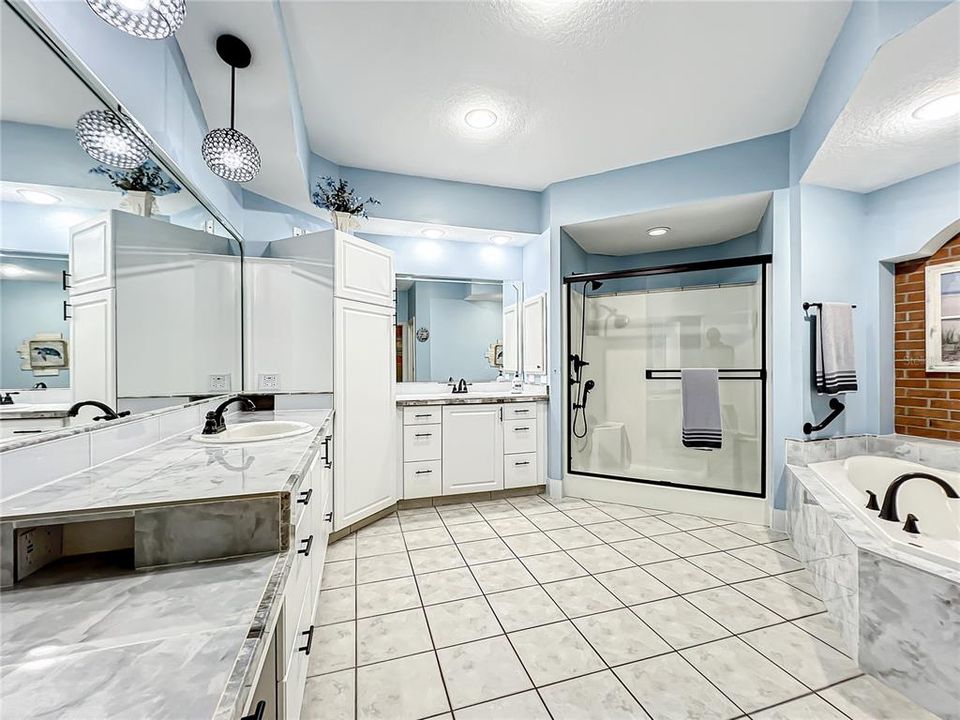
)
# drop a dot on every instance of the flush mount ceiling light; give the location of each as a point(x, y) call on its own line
point(108, 140)
point(500, 239)
point(228, 152)
point(148, 19)
point(38, 197)
point(433, 233)
point(657, 231)
point(480, 118)
point(940, 108)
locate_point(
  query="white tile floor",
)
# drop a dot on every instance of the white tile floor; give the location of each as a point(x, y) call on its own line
point(529, 608)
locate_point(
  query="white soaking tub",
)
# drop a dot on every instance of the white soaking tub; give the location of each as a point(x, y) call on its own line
point(938, 516)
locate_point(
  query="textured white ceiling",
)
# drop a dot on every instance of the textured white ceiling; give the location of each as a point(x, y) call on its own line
point(35, 85)
point(581, 87)
point(876, 141)
point(706, 223)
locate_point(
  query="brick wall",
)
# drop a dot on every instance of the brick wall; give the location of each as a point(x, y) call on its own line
point(927, 403)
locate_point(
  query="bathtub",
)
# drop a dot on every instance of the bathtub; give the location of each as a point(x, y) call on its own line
point(938, 516)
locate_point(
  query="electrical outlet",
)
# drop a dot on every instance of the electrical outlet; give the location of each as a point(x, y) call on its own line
point(219, 383)
point(297, 231)
point(268, 381)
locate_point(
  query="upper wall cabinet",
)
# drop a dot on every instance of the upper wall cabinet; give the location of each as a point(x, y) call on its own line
point(364, 270)
point(511, 350)
point(535, 335)
point(91, 256)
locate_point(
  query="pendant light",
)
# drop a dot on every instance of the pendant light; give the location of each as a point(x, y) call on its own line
point(148, 19)
point(228, 152)
point(108, 140)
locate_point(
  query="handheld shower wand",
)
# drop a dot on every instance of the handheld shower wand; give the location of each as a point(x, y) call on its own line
point(578, 362)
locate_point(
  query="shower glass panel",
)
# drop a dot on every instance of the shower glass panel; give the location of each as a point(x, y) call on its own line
point(629, 334)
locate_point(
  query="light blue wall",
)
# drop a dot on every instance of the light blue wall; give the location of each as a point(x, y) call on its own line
point(39, 228)
point(536, 265)
point(46, 156)
point(265, 220)
point(449, 258)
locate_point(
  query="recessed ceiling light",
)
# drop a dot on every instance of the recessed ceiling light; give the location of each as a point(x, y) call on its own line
point(38, 197)
point(657, 231)
point(500, 239)
point(433, 233)
point(480, 118)
point(940, 108)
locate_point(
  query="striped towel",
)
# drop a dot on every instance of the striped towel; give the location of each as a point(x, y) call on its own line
point(835, 370)
point(700, 398)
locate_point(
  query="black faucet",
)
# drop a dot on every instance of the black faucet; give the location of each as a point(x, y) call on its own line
point(108, 412)
point(461, 387)
point(8, 398)
point(214, 423)
point(40, 386)
point(889, 509)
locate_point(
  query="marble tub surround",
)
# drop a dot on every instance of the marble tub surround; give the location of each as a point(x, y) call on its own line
point(176, 470)
point(577, 612)
point(425, 393)
point(897, 612)
point(940, 454)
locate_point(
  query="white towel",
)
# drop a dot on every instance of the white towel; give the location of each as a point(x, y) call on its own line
point(700, 398)
point(836, 370)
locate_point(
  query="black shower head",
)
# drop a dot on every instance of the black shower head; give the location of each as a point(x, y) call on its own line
point(595, 284)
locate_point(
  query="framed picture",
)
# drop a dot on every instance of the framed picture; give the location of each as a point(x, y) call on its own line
point(48, 354)
point(943, 317)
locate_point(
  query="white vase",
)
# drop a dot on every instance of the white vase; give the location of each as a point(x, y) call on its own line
point(345, 222)
point(138, 202)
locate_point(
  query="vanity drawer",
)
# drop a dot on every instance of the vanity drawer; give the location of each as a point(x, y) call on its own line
point(519, 436)
point(422, 442)
point(520, 470)
point(422, 479)
point(298, 660)
point(520, 411)
point(296, 609)
point(422, 415)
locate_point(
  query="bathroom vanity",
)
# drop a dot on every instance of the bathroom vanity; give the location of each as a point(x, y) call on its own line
point(479, 442)
point(186, 572)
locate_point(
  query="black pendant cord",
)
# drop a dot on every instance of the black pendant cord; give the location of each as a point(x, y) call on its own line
point(233, 93)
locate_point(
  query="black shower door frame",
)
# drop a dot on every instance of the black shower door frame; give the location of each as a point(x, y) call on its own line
point(760, 374)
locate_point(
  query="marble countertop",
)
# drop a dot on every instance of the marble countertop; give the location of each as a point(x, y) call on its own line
point(178, 470)
point(173, 643)
point(37, 410)
point(468, 398)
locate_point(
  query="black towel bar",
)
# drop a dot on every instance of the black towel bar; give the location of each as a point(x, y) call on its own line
point(808, 305)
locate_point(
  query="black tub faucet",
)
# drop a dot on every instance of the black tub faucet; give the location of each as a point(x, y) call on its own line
point(889, 509)
point(214, 422)
point(8, 398)
point(108, 412)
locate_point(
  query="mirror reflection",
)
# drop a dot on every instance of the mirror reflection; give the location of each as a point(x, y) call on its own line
point(451, 328)
point(116, 284)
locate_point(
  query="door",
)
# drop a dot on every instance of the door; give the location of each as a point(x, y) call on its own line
point(472, 448)
point(93, 372)
point(365, 454)
point(363, 271)
point(510, 349)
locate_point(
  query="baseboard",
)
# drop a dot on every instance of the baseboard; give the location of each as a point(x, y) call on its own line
point(554, 488)
point(778, 520)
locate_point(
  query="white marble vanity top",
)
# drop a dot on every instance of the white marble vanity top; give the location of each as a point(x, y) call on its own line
point(34, 410)
point(441, 394)
point(176, 470)
point(172, 643)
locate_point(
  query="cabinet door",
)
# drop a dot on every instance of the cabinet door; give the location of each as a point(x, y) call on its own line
point(93, 372)
point(510, 350)
point(363, 271)
point(535, 335)
point(472, 449)
point(364, 439)
point(91, 255)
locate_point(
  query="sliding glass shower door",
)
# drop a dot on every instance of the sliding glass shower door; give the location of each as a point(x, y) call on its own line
point(629, 334)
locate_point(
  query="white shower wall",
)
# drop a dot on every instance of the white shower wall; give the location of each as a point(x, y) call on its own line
point(634, 423)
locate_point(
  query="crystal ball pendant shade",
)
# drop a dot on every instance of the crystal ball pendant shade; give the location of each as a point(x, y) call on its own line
point(231, 155)
point(148, 19)
point(108, 140)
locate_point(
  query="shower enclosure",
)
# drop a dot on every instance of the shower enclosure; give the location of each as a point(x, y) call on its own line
point(629, 333)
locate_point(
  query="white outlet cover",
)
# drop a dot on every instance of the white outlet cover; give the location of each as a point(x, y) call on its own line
point(268, 381)
point(219, 382)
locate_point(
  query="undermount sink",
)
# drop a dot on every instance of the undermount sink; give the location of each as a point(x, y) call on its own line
point(255, 432)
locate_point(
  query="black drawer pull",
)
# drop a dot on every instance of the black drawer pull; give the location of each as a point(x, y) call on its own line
point(258, 713)
point(525, 462)
point(418, 472)
point(424, 415)
point(26, 432)
point(305, 496)
point(305, 551)
point(327, 460)
point(522, 410)
point(65, 306)
point(65, 275)
point(329, 516)
point(423, 434)
point(306, 648)
point(520, 429)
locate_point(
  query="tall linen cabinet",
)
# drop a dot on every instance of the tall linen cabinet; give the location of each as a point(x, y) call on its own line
point(315, 279)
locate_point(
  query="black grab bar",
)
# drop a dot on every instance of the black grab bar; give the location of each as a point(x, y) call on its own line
point(836, 408)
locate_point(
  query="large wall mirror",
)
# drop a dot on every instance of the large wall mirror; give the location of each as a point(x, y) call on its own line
point(453, 328)
point(116, 283)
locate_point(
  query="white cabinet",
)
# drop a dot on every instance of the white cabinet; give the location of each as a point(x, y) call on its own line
point(521, 470)
point(364, 271)
point(511, 362)
point(535, 335)
point(93, 371)
point(91, 255)
point(365, 438)
point(472, 448)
